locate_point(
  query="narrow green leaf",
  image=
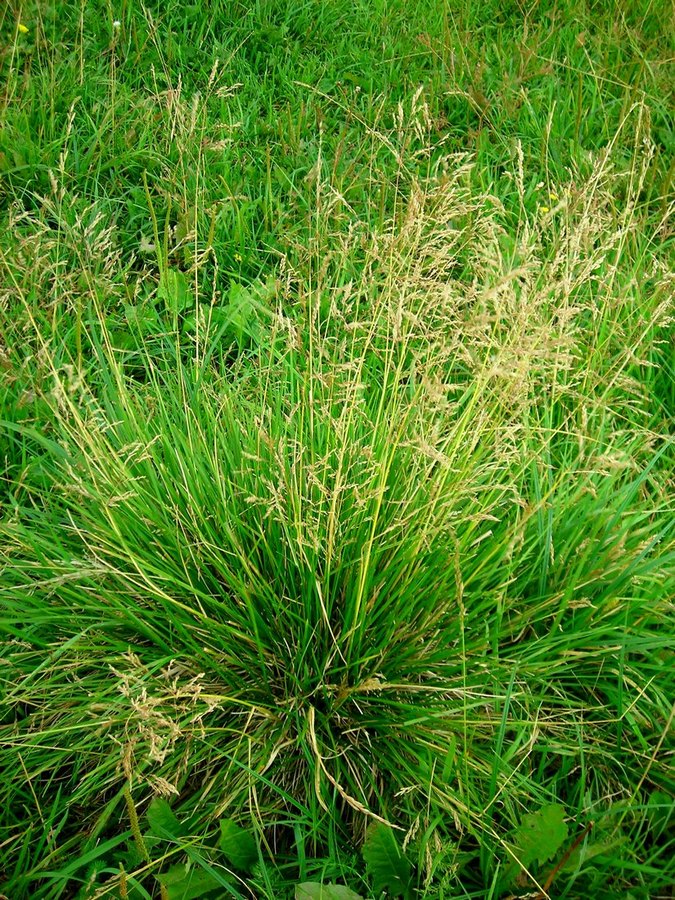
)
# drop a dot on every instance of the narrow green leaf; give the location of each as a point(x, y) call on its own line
point(660, 810)
point(586, 852)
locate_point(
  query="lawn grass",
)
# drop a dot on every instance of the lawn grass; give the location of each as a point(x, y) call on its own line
point(336, 519)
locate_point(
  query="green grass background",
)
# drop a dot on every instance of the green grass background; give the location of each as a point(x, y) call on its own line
point(336, 405)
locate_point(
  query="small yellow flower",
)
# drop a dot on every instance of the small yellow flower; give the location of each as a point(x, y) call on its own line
point(552, 195)
point(237, 257)
point(544, 209)
point(21, 28)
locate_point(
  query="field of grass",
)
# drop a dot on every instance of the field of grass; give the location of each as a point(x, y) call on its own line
point(337, 392)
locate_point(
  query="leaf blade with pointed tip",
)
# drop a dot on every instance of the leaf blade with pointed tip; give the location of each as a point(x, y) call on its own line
point(238, 845)
point(162, 820)
point(174, 290)
point(385, 862)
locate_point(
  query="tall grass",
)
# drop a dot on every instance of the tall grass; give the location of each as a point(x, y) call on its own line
point(397, 547)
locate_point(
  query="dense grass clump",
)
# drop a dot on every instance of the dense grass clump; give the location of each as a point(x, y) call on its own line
point(336, 461)
point(399, 559)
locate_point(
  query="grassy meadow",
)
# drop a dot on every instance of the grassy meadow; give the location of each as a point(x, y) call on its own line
point(337, 391)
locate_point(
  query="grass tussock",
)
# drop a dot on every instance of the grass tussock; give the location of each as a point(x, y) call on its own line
point(401, 551)
point(336, 456)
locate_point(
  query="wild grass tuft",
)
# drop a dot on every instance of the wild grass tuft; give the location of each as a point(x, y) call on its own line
point(336, 457)
point(406, 556)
